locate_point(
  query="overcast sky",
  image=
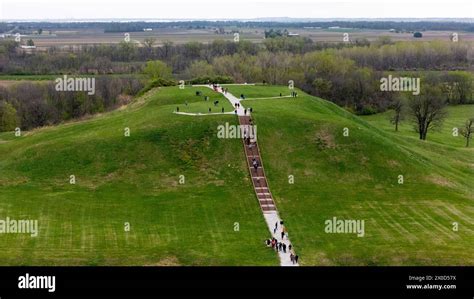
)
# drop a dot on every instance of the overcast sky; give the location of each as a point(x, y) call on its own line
point(233, 9)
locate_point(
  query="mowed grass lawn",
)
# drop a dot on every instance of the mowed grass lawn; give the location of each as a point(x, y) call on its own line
point(356, 178)
point(456, 118)
point(259, 91)
point(132, 180)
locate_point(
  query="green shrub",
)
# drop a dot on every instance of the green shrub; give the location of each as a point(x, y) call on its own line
point(8, 117)
point(156, 83)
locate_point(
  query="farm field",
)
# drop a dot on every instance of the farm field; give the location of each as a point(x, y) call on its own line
point(136, 179)
point(177, 36)
point(71, 38)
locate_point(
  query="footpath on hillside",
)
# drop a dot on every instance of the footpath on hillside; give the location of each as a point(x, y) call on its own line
point(259, 180)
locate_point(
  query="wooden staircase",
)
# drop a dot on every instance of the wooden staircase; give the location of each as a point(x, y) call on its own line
point(259, 179)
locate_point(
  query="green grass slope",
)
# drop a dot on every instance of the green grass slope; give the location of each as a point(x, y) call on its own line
point(258, 91)
point(356, 177)
point(136, 180)
point(456, 118)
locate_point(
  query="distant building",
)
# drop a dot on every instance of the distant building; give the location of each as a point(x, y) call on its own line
point(392, 30)
point(147, 29)
point(293, 34)
point(24, 49)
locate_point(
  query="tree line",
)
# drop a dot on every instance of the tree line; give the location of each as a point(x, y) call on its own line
point(29, 105)
point(295, 23)
point(382, 54)
point(345, 73)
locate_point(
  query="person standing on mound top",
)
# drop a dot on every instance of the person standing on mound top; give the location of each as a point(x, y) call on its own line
point(177, 109)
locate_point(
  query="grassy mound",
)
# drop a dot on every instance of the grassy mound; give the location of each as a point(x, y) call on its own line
point(136, 180)
point(356, 177)
point(133, 179)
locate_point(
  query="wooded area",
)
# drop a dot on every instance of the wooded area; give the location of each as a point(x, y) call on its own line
point(345, 73)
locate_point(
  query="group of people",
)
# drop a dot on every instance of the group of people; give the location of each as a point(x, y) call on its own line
point(250, 110)
point(216, 87)
point(281, 246)
point(237, 106)
point(277, 246)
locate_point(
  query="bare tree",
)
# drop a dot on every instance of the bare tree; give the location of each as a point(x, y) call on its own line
point(399, 109)
point(428, 109)
point(468, 130)
point(149, 41)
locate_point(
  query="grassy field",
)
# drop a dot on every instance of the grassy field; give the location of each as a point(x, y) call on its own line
point(457, 116)
point(77, 37)
point(71, 38)
point(136, 179)
point(259, 91)
point(356, 177)
point(132, 179)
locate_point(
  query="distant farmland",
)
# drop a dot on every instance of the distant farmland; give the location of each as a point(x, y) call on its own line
point(72, 37)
